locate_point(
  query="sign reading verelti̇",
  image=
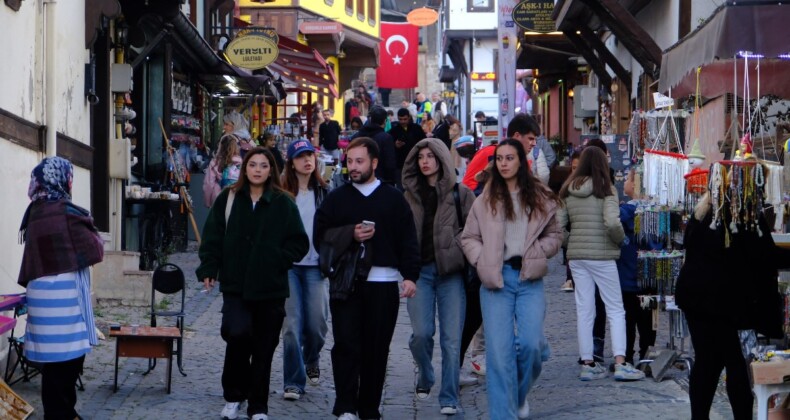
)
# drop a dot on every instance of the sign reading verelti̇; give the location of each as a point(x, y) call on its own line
point(253, 49)
point(535, 15)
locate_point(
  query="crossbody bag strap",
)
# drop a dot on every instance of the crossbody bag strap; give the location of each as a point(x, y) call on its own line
point(457, 199)
point(229, 205)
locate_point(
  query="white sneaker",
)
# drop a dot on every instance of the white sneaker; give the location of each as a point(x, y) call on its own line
point(348, 416)
point(449, 410)
point(466, 378)
point(592, 372)
point(479, 364)
point(230, 411)
point(567, 286)
point(523, 411)
point(292, 393)
point(627, 372)
point(259, 417)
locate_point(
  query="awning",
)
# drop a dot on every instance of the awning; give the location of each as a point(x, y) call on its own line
point(200, 58)
point(304, 68)
point(745, 25)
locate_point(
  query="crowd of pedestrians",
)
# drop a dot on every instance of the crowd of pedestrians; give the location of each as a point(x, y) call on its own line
point(467, 240)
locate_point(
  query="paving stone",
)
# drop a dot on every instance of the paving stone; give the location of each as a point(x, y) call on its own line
point(558, 394)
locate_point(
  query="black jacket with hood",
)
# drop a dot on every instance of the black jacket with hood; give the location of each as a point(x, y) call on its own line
point(387, 170)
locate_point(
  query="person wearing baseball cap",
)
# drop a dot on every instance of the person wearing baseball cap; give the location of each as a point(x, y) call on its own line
point(307, 308)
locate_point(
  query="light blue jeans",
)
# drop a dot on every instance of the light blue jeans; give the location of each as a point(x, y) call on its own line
point(513, 319)
point(305, 325)
point(446, 292)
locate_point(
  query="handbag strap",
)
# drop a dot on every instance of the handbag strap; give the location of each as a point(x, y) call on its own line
point(457, 199)
point(229, 205)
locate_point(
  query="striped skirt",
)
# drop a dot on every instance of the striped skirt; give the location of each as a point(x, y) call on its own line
point(60, 324)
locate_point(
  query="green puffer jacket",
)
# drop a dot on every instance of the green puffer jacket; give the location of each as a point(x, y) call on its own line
point(595, 229)
point(252, 255)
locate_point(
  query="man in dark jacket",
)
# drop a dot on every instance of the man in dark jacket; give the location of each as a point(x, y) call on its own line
point(328, 133)
point(382, 224)
point(406, 134)
point(387, 170)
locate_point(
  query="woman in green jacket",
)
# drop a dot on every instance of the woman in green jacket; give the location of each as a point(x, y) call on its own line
point(250, 250)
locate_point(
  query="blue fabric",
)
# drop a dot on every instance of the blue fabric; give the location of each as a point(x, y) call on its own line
point(521, 304)
point(51, 180)
point(448, 294)
point(305, 325)
point(626, 264)
point(60, 323)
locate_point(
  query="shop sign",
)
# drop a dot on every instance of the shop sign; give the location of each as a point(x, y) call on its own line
point(483, 76)
point(320, 27)
point(423, 16)
point(253, 49)
point(535, 15)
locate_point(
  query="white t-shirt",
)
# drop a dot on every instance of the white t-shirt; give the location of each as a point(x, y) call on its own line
point(305, 201)
point(367, 189)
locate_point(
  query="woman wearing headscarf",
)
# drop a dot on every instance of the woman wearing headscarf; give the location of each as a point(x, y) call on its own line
point(235, 124)
point(61, 243)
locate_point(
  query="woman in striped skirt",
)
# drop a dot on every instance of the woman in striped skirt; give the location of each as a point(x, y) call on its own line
point(61, 243)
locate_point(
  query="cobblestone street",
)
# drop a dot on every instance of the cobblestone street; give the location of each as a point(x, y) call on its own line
point(558, 394)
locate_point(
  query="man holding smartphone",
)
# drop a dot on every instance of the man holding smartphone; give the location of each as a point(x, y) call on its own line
point(363, 324)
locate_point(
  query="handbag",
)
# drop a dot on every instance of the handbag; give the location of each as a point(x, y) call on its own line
point(471, 279)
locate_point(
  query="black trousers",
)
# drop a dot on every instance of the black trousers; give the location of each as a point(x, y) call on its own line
point(637, 319)
point(473, 319)
point(252, 332)
point(717, 346)
point(58, 388)
point(363, 326)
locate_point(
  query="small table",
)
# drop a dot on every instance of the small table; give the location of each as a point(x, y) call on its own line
point(148, 343)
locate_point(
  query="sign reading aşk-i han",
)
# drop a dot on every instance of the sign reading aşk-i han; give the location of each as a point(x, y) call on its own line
point(535, 15)
point(253, 49)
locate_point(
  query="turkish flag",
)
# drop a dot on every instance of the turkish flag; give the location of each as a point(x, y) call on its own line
point(398, 56)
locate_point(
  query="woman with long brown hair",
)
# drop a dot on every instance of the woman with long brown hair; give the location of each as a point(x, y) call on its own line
point(509, 237)
point(252, 237)
point(592, 213)
point(307, 309)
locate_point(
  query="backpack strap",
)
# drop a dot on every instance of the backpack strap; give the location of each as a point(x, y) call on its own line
point(229, 205)
point(457, 199)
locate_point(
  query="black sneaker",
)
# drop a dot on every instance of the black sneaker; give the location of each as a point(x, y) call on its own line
point(422, 393)
point(313, 375)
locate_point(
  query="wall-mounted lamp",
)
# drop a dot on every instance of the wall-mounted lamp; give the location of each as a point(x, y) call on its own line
point(90, 81)
point(570, 93)
point(342, 54)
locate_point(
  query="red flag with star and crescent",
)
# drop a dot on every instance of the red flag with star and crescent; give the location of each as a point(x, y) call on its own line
point(398, 56)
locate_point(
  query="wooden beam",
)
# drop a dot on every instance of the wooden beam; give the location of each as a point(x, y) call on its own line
point(606, 55)
point(597, 65)
point(627, 29)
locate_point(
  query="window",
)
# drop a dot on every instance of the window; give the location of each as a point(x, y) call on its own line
point(361, 9)
point(350, 7)
point(329, 2)
point(372, 12)
point(479, 6)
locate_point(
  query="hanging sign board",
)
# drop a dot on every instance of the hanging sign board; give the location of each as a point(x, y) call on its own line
point(320, 27)
point(253, 49)
point(662, 101)
point(423, 16)
point(535, 15)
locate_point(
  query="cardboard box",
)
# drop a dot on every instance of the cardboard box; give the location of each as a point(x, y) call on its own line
point(775, 371)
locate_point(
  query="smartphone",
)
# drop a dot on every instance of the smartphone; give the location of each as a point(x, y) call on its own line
point(368, 223)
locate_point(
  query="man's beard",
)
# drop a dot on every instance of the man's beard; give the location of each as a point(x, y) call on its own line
point(363, 177)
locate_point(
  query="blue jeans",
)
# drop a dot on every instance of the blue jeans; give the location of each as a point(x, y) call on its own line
point(513, 321)
point(305, 326)
point(446, 292)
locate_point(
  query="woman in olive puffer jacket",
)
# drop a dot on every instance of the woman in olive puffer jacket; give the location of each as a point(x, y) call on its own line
point(592, 213)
